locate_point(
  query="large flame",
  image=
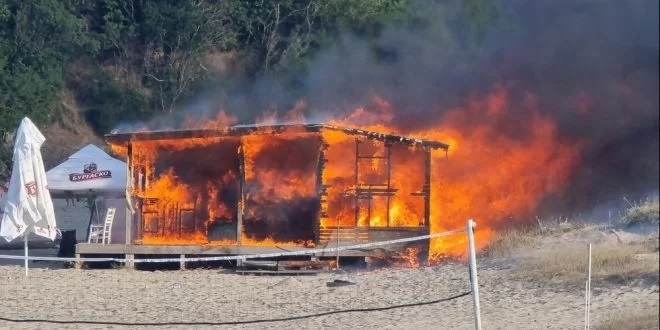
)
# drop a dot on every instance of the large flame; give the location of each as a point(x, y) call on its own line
point(503, 159)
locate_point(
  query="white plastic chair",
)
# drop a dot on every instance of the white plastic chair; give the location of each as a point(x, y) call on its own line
point(101, 233)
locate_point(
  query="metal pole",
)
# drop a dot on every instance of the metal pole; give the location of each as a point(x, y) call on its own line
point(473, 274)
point(587, 294)
point(25, 250)
point(586, 309)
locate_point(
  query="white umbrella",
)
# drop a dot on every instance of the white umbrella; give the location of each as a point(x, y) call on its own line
point(28, 206)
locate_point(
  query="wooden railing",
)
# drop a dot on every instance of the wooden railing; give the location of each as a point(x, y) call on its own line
point(329, 235)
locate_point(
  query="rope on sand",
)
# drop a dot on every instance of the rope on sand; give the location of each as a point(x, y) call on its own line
point(283, 319)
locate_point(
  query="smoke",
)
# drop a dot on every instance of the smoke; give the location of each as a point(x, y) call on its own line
point(593, 66)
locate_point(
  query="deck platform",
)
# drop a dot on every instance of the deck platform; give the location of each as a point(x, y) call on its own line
point(329, 239)
point(262, 272)
point(124, 249)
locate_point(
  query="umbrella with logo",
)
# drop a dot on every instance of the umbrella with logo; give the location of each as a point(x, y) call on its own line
point(28, 207)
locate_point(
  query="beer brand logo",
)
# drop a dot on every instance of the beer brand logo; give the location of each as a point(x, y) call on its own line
point(31, 188)
point(90, 172)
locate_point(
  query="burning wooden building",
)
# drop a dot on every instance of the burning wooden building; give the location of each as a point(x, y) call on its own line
point(255, 189)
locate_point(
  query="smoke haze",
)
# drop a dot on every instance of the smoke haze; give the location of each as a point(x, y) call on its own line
point(592, 66)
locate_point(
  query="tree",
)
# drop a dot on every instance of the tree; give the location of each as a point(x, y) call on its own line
point(176, 35)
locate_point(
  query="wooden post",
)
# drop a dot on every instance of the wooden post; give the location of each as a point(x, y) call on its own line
point(77, 264)
point(182, 262)
point(388, 147)
point(128, 227)
point(130, 264)
point(137, 224)
point(427, 187)
point(129, 195)
point(320, 189)
point(357, 182)
point(240, 209)
point(241, 202)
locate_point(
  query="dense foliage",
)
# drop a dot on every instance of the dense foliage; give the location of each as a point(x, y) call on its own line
point(133, 59)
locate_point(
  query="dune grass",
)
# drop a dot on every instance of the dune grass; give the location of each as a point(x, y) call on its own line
point(643, 319)
point(567, 263)
point(647, 212)
point(615, 262)
point(508, 241)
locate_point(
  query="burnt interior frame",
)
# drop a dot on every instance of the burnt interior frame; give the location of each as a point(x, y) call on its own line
point(152, 214)
point(427, 146)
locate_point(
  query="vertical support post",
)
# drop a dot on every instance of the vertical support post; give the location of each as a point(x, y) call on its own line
point(370, 199)
point(241, 201)
point(320, 189)
point(337, 244)
point(140, 179)
point(139, 227)
point(194, 215)
point(356, 209)
point(176, 224)
point(388, 148)
point(427, 187)
point(129, 196)
point(136, 183)
point(128, 226)
point(132, 166)
point(182, 262)
point(130, 261)
point(357, 195)
point(473, 274)
point(25, 250)
point(77, 264)
point(587, 294)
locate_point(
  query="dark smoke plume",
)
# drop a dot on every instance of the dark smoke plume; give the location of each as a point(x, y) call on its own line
point(593, 65)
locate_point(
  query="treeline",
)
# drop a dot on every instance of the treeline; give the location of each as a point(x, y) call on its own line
point(132, 59)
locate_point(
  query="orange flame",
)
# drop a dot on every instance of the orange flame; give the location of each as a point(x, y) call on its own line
point(503, 159)
point(490, 175)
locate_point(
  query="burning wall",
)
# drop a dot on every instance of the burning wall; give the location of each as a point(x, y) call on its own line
point(394, 173)
point(281, 202)
point(187, 186)
point(274, 187)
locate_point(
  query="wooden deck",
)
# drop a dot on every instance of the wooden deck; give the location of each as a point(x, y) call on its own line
point(329, 239)
point(123, 249)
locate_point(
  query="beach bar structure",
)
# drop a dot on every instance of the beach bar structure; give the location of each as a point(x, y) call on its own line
point(253, 189)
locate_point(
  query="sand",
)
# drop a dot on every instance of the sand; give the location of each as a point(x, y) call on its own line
point(208, 298)
point(199, 296)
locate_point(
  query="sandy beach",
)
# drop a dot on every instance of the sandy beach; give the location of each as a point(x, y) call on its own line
point(201, 296)
point(212, 298)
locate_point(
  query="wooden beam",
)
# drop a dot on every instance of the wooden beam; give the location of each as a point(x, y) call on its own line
point(240, 130)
